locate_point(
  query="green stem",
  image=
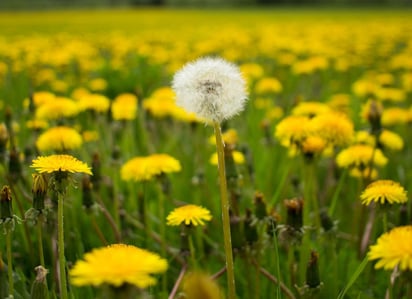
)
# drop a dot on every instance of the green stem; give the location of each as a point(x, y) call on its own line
point(62, 259)
point(10, 264)
point(40, 236)
point(385, 221)
point(224, 200)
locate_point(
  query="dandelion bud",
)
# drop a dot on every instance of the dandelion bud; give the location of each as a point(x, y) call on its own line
point(39, 286)
point(312, 272)
point(212, 88)
point(294, 213)
point(374, 117)
point(260, 205)
point(326, 221)
point(6, 209)
point(39, 191)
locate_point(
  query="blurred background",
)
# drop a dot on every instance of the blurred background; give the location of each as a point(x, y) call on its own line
point(56, 4)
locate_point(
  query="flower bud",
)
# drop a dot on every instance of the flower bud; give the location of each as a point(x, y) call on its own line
point(39, 286)
point(39, 190)
point(312, 271)
point(260, 206)
point(6, 209)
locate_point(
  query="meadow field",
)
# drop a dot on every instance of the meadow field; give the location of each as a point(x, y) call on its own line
point(111, 189)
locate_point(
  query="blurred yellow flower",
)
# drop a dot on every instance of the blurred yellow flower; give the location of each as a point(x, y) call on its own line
point(335, 128)
point(36, 124)
point(238, 157)
point(251, 71)
point(98, 84)
point(384, 191)
point(57, 163)
point(189, 215)
point(268, 85)
point(229, 137)
point(360, 155)
point(95, 102)
point(124, 107)
point(145, 168)
point(116, 265)
point(59, 139)
point(310, 109)
point(57, 108)
point(393, 249)
point(198, 285)
point(394, 116)
point(391, 140)
point(313, 145)
point(292, 130)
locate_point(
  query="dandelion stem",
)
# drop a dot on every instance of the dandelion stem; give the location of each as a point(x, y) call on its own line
point(62, 259)
point(225, 212)
point(40, 237)
point(10, 263)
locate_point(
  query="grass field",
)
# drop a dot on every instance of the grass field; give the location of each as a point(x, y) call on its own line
point(328, 114)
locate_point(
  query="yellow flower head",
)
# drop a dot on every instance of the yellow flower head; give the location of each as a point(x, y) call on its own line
point(394, 116)
point(391, 140)
point(310, 109)
point(65, 163)
point(36, 124)
point(198, 285)
point(251, 71)
point(292, 130)
point(161, 103)
point(268, 85)
point(98, 84)
point(57, 108)
point(59, 139)
point(229, 137)
point(94, 102)
point(116, 265)
point(189, 215)
point(313, 145)
point(335, 128)
point(238, 157)
point(145, 168)
point(384, 191)
point(124, 107)
point(360, 155)
point(393, 249)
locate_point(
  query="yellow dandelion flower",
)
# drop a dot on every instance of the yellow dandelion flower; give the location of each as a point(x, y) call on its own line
point(274, 113)
point(313, 145)
point(238, 157)
point(39, 98)
point(79, 93)
point(268, 85)
point(90, 135)
point(124, 107)
point(145, 168)
point(161, 103)
point(251, 71)
point(98, 84)
point(59, 139)
point(340, 102)
point(292, 130)
point(391, 140)
point(116, 265)
point(393, 249)
point(65, 163)
point(335, 128)
point(364, 137)
point(189, 215)
point(366, 173)
point(57, 108)
point(94, 102)
point(394, 116)
point(364, 87)
point(310, 109)
point(390, 94)
point(384, 191)
point(360, 155)
point(36, 124)
point(229, 137)
point(181, 114)
point(199, 285)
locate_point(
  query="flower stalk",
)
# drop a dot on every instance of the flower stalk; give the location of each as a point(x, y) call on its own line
point(62, 259)
point(225, 212)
